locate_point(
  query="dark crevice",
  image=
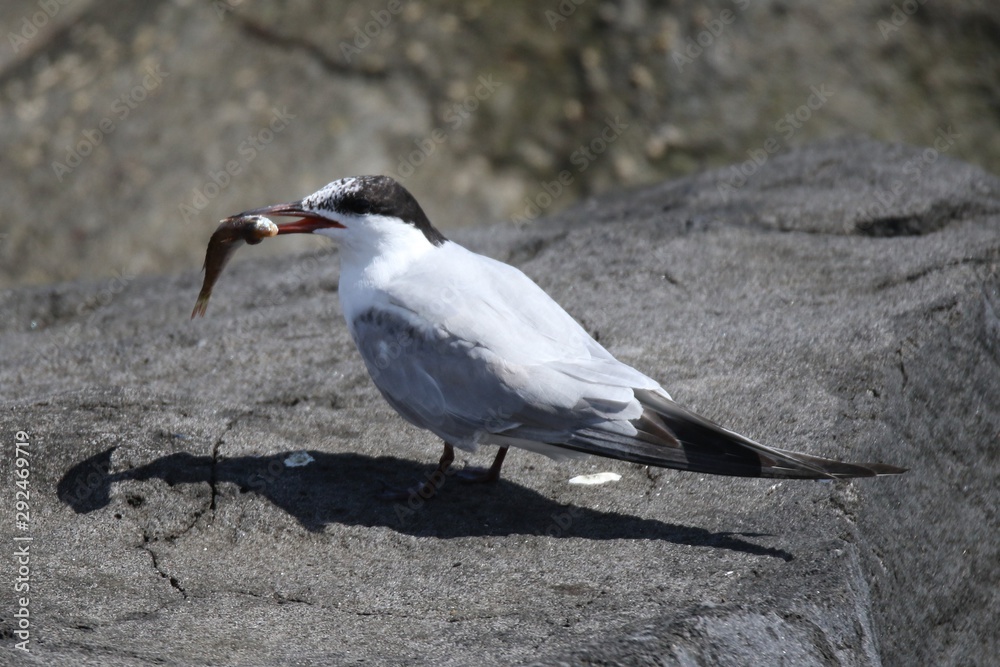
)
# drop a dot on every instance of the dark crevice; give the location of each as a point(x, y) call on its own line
point(670, 278)
point(927, 270)
point(174, 583)
point(893, 225)
point(902, 368)
point(279, 598)
point(820, 640)
point(935, 218)
point(213, 475)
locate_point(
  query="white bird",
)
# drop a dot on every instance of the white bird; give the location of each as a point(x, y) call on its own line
point(474, 351)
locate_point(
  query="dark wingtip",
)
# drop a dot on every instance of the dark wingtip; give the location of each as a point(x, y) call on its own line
point(832, 469)
point(707, 447)
point(842, 470)
point(885, 469)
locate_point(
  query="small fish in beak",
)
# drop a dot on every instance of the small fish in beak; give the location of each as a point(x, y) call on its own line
point(230, 235)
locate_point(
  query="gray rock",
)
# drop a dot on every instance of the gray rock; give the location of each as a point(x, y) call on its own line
point(807, 308)
point(125, 126)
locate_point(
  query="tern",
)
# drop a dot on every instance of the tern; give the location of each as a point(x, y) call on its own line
point(474, 351)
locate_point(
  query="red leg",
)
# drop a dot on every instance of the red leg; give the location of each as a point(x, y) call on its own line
point(435, 481)
point(485, 476)
point(430, 487)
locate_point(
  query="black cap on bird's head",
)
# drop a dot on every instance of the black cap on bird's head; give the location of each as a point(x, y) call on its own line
point(334, 206)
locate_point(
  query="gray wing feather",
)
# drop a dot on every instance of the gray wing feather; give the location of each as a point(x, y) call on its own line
point(462, 391)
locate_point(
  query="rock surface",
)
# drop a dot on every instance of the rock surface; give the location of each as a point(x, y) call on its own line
point(841, 302)
point(125, 125)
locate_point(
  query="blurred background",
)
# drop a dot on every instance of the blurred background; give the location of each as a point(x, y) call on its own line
point(127, 129)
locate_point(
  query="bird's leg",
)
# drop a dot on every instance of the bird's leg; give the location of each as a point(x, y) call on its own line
point(492, 474)
point(429, 488)
point(447, 456)
point(436, 479)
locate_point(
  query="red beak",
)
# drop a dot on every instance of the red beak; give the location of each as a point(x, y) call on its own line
point(307, 224)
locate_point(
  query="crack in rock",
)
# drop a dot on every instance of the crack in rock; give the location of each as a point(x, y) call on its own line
point(213, 475)
point(902, 368)
point(928, 270)
point(278, 597)
point(174, 582)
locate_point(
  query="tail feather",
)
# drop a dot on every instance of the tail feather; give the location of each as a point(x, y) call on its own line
point(670, 436)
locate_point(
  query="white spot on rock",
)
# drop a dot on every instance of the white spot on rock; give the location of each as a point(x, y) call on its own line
point(299, 459)
point(596, 478)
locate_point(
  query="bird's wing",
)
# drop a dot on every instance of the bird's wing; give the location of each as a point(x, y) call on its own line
point(462, 390)
point(494, 305)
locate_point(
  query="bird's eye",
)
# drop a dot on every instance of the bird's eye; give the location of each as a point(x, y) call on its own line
point(357, 205)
